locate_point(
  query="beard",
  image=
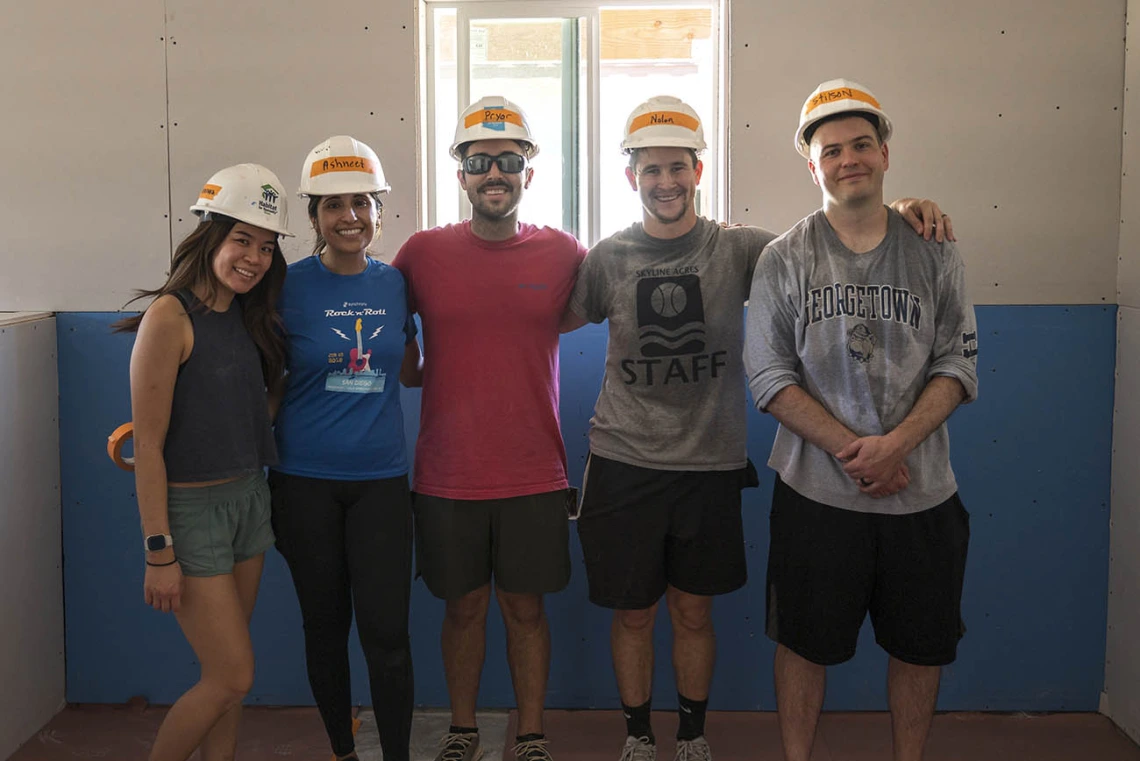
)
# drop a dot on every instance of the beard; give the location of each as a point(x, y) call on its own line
point(653, 206)
point(499, 208)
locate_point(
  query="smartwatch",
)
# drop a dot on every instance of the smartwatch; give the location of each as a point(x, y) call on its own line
point(158, 542)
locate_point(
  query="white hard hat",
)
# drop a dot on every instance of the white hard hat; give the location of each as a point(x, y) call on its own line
point(663, 122)
point(493, 118)
point(248, 193)
point(837, 96)
point(342, 164)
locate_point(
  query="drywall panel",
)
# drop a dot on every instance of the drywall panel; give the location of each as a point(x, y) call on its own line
point(1008, 114)
point(1122, 663)
point(31, 594)
point(265, 83)
point(83, 205)
point(1031, 456)
point(1128, 285)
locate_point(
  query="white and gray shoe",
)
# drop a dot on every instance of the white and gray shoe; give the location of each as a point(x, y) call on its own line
point(638, 749)
point(460, 747)
point(693, 750)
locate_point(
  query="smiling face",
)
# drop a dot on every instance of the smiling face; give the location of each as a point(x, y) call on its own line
point(347, 222)
point(495, 195)
point(243, 258)
point(666, 179)
point(848, 161)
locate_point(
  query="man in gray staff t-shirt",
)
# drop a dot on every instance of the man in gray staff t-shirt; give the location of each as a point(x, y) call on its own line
point(861, 341)
point(661, 494)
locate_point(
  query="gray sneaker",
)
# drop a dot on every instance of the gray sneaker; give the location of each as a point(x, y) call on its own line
point(638, 749)
point(532, 750)
point(460, 747)
point(693, 750)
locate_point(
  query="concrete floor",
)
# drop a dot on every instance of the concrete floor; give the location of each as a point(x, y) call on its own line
point(122, 733)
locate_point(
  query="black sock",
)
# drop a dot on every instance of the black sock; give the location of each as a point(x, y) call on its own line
point(463, 730)
point(692, 713)
point(637, 722)
point(531, 736)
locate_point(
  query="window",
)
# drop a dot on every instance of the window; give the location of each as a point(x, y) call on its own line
point(577, 69)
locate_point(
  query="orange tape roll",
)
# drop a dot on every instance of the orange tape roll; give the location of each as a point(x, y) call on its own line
point(115, 442)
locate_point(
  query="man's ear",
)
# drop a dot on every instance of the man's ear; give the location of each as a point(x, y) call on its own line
point(811, 171)
point(529, 177)
point(629, 175)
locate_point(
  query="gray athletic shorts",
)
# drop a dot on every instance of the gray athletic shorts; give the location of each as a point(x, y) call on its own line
point(214, 527)
point(523, 542)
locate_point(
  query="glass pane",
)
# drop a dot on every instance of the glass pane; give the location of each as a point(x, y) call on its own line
point(647, 52)
point(445, 99)
point(585, 175)
point(522, 60)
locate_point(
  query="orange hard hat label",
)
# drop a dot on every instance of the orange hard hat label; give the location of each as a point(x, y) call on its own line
point(493, 117)
point(341, 164)
point(673, 118)
point(839, 93)
point(210, 192)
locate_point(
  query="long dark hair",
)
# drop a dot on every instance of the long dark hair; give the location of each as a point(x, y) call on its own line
point(319, 240)
point(192, 264)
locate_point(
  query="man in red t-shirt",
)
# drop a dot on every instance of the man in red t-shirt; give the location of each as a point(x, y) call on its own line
point(490, 483)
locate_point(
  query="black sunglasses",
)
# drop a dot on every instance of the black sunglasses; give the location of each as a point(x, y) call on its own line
point(508, 163)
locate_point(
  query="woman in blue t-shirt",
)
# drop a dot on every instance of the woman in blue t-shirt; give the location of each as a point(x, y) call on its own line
point(341, 504)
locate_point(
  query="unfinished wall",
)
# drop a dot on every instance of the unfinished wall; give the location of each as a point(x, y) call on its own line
point(1122, 664)
point(1008, 114)
point(31, 574)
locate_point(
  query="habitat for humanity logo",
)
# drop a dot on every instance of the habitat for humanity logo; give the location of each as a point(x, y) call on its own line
point(268, 202)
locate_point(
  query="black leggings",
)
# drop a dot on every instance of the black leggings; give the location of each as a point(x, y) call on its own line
point(349, 546)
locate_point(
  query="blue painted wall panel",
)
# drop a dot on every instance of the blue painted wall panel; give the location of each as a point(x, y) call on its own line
point(1032, 458)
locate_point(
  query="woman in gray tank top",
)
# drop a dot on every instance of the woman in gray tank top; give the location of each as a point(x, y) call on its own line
point(204, 348)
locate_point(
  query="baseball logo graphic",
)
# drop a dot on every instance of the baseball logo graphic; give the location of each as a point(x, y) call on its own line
point(670, 316)
point(668, 299)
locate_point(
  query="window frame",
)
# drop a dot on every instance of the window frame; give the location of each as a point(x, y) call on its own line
point(589, 143)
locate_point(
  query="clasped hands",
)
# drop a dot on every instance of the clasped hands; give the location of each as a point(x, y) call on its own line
point(877, 465)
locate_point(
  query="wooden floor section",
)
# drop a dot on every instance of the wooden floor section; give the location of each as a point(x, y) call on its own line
point(120, 733)
point(736, 736)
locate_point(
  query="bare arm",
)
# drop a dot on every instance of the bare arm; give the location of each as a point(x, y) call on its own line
point(941, 397)
point(926, 218)
point(804, 416)
point(164, 340)
point(873, 457)
point(412, 368)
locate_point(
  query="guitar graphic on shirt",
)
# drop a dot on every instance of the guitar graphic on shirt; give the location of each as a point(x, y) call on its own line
point(358, 358)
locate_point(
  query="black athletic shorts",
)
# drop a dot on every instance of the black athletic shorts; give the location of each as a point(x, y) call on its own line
point(828, 567)
point(643, 529)
point(524, 542)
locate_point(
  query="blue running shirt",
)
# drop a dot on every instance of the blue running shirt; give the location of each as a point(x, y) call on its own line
point(340, 417)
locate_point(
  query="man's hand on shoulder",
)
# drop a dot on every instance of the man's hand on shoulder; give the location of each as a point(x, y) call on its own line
point(926, 218)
